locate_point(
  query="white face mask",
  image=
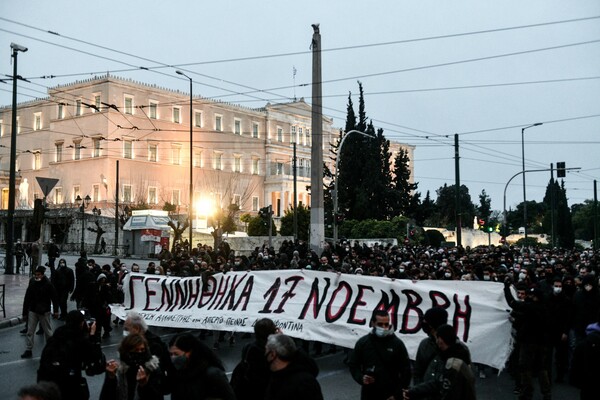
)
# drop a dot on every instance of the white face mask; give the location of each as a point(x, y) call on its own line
point(557, 290)
point(401, 270)
point(522, 276)
point(125, 333)
point(588, 288)
point(382, 332)
point(447, 275)
point(486, 278)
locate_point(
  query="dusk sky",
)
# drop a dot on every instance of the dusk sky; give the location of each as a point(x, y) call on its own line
point(430, 69)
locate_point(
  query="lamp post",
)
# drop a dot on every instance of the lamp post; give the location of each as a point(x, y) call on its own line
point(335, 183)
point(83, 204)
point(523, 171)
point(191, 155)
point(13, 157)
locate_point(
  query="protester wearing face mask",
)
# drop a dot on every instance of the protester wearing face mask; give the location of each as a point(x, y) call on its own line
point(39, 297)
point(380, 362)
point(136, 376)
point(197, 371)
point(559, 308)
point(586, 303)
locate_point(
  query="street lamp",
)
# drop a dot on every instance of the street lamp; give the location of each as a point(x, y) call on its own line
point(191, 155)
point(335, 183)
point(13, 157)
point(523, 171)
point(83, 204)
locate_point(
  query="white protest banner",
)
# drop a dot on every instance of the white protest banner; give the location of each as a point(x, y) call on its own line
point(321, 306)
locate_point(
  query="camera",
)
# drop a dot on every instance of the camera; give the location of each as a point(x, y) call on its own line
point(90, 322)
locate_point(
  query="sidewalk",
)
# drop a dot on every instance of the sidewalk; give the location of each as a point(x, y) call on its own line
point(15, 286)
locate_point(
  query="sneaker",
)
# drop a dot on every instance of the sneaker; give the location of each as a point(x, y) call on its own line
point(27, 354)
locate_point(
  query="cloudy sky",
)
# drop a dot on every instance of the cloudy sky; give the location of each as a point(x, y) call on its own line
point(430, 69)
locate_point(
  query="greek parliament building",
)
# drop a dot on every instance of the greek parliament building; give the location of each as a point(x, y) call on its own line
point(93, 134)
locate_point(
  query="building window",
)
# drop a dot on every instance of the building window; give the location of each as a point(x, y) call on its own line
point(254, 203)
point(237, 126)
point(176, 154)
point(175, 197)
point(279, 134)
point(255, 130)
point(293, 135)
point(153, 110)
point(37, 121)
point(96, 193)
point(128, 105)
point(77, 151)
point(255, 169)
point(198, 119)
point(152, 152)
point(237, 199)
point(219, 161)
point(58, 195)
point(59, 152)
point(37, 159)
point(127, 149)
point(96, 151)
point(152, 199)
point(76, 192)
point(127, 193)
point(307, 137)
point(78, 108)
point(1, 128)
point(177, 115)
point(237, 164)
point(300, 136)
point(97, 102)
point(218, 123)
point(198, 159)
point(61, 111)
point(279, 169)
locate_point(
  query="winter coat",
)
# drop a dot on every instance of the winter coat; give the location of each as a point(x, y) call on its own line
point(452, 377)
point(200, 382)
point(124, 385)
point(585, 367)
point(40, 295)
point(387, 359)
point(297, 381)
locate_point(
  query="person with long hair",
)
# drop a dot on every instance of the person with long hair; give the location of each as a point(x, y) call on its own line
point(136, 376)
point(198, 372)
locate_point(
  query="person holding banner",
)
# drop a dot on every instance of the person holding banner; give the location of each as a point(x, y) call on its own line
point(380, 362)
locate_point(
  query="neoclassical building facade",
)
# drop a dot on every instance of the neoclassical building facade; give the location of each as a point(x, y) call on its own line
point(83, 130)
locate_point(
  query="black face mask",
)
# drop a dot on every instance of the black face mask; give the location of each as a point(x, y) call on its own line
point(134, 359)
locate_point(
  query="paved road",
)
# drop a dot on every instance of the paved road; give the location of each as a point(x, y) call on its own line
point(334, 377)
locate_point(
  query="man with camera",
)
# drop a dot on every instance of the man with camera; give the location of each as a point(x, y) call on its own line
point(380, 362)
point(73, 348)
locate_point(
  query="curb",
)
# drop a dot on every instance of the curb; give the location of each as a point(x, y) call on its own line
point(7, 323)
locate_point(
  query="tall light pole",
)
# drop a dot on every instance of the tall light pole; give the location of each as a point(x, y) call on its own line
point(13, 160)
point(335, 182)
point(191, 156)
point(523, 171)
point(83, 204)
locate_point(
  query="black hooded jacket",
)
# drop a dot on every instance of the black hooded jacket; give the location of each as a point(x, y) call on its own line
point(297, 381)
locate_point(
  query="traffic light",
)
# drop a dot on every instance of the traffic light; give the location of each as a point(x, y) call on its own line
point(339, 218)
point(481, 223)
point(560, 169)
point(265, 212)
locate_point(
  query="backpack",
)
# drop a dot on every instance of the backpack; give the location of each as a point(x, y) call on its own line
point(239, 376)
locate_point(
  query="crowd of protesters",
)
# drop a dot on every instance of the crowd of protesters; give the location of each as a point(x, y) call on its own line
point(557, 301)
